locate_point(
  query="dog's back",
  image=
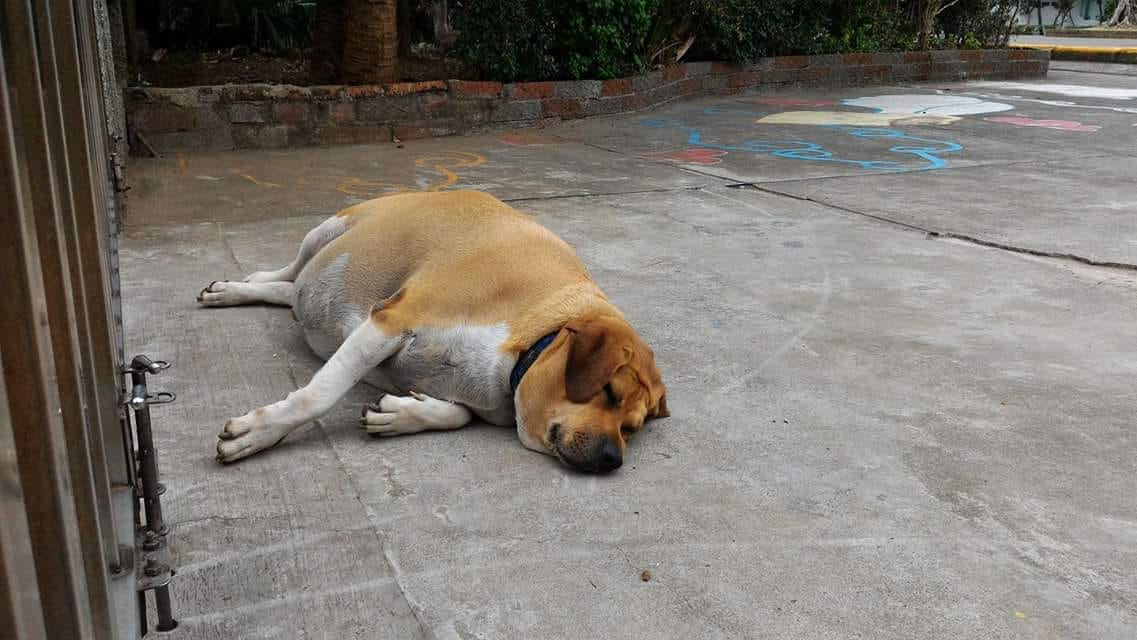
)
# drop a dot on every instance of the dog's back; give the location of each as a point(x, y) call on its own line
point(481, 261)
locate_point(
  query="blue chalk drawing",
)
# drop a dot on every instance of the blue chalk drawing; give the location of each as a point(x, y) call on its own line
point(927, 151)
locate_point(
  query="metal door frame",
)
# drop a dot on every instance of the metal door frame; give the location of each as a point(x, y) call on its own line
point(67, 540)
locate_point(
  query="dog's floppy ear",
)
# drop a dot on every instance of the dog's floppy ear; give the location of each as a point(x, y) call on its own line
point(661, 408)
point(593, 358)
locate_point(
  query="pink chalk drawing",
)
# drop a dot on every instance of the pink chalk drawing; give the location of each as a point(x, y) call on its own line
point(691, 156)
point(794, 102)
point(1059, 125)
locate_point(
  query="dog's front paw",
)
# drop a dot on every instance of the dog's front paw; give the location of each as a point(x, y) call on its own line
point(244, 436)
point(214, 294)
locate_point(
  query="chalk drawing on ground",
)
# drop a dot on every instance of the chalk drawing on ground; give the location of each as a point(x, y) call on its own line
point(791, 103)
point(1058, 125)
point(446, 164)
point(849, 118)
point(1071, 90)
point(919, 104)
point(914, 153)
point(1054, 103)
point(890, 110)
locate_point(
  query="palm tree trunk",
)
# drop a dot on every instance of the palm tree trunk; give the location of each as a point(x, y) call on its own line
point(370, 53)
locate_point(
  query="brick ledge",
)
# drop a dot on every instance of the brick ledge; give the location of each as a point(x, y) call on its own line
point(263, 116)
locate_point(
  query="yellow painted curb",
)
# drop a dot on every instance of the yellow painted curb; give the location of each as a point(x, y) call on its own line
point(1089, 51)
point(1121, 55)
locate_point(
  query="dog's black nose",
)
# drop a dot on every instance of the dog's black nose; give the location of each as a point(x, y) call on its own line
point(608, 458)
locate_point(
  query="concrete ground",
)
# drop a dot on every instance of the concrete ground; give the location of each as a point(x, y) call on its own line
point(902, 392)
point(1097, 68)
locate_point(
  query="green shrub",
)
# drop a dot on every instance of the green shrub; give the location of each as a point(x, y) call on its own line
point(270, 25)
point(866, 26)
point(971, 24)
point(739, 30)
point(541, 39)
point(507, 40)
point(601, 38)
point(548, 39)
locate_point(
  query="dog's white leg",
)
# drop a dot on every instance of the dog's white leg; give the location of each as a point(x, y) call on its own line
point(315, 240)
point(222, 293)
point(366, 347)
point(395, 415)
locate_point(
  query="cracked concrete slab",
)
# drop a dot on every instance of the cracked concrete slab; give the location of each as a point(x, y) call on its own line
point(874, 434)
point(1041, 206)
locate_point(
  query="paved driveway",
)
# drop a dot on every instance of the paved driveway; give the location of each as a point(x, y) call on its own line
point(898, 328)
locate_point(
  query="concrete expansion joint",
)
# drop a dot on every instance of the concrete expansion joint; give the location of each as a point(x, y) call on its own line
point(1057, 255)
point(951, 235)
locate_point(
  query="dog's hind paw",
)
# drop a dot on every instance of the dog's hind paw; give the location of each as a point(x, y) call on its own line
point(397, 415)
point(372, 407)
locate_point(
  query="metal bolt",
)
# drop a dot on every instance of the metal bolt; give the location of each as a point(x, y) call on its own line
point(152, 541)
point(152, 568)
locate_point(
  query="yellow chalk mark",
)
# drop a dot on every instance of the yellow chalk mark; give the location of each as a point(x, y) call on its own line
point(443, 163)
point(447, 163)
point(353, 186)
point(244, 173)
point(1020, 615)
point(852, 118)
point(183, 162)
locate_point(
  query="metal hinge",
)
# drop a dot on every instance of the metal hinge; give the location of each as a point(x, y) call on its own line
point(118, 173)
point(153, 567)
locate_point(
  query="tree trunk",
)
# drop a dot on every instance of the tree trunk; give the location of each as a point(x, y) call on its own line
point(1125, 12)
point(370, 52)
point(444, 35)
point(327, 41)
point(929, 9)
point(406, 26)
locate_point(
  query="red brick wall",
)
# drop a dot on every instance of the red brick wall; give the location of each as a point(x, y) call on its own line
point(275, 116)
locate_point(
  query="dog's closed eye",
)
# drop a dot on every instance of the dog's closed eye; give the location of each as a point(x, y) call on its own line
point(613, 399)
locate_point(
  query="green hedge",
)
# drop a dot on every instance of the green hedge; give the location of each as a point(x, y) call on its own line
point(748, 29)
point(513, 40)
point(541, 39)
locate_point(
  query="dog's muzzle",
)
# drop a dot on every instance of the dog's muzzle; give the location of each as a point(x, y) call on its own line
point(591, 454)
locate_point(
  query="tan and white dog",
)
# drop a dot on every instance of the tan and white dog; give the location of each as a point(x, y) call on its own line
point(455, 305)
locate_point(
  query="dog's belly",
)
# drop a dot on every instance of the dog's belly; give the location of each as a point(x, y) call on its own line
point(460, 364)
point(321, 306)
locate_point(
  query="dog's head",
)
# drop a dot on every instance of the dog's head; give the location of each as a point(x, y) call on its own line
point(591, 389)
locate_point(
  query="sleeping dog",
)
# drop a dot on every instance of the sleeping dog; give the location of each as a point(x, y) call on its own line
point(456, 306)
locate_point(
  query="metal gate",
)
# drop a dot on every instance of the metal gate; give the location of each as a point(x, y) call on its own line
point(70, 555)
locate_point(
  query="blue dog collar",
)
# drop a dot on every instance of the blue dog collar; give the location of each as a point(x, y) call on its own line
point(528, 358)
